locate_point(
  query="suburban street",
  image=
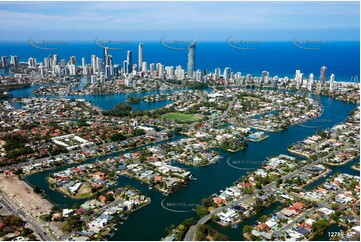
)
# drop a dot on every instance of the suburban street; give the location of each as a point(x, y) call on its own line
point(271, 186)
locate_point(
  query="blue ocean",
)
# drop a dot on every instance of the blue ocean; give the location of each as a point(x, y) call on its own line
point(279, 58)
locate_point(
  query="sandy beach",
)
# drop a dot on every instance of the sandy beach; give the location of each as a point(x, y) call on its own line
point(22, 195)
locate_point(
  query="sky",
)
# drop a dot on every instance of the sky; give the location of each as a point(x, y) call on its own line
point(147, 21)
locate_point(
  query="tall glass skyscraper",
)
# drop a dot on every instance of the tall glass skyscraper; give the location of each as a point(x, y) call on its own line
point(323, 75)
point(129, 62)
point(191, 59)
point(140, 56)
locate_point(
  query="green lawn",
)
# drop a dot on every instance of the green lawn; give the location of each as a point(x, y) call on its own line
point(181, 117)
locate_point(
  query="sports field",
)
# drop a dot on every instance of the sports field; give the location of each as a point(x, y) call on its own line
point(181, 117)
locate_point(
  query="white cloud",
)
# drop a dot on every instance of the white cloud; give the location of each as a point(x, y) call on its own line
point(163, 17)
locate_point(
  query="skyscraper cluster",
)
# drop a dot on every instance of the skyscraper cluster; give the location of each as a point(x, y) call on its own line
point(312, 84)
point(5, 63)
point(103, 69)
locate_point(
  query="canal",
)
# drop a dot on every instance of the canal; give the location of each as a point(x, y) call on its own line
point(149, 223)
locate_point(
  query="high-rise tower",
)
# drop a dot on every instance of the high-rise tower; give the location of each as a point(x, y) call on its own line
point(323, 75)
point(191, 59)
point(140, 57)
point(129, 62)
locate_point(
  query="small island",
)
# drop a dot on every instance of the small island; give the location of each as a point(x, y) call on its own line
point(234, 145)
point(133, 100)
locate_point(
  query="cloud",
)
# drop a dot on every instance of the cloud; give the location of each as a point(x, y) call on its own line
point(184, 18)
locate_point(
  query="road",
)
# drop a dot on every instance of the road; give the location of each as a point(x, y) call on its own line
point(190, 234)
point(72, 152)
point(310, 211)
point(230, 106)
point(316, 162)
point(37, 227)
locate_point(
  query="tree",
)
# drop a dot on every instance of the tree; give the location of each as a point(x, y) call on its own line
point(335, 206)
point(72, 223)
point(319, 226)
point(263, 218)
point(207, 202)
point(117, 137)
point(247, 229)
point(109, 197)
point(322, 133)
point(133, 100)
point(46, 217)
point(258, 204)
point(199, 236)
point(13, 220)
point(26, 232)
point(202, 211)
point(120, 110)
point(37, 190)
point(220, 237)
point(18, 171)
point(279, 181)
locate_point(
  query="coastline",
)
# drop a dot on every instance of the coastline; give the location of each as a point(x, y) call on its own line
point(342, 163)
point(355, 168)
point(297, 153)
point(327, 171)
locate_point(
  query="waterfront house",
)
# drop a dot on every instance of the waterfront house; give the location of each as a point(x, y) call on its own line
point(288, 212)
point(263, 227)
point(218, 200)
point(67, 212)
point(228, 216)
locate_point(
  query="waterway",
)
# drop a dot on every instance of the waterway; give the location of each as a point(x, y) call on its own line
point(149, 223)
point(104, 101)
point(334, 229)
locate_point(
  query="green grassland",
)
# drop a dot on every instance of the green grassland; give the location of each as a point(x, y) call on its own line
point(181, 117)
